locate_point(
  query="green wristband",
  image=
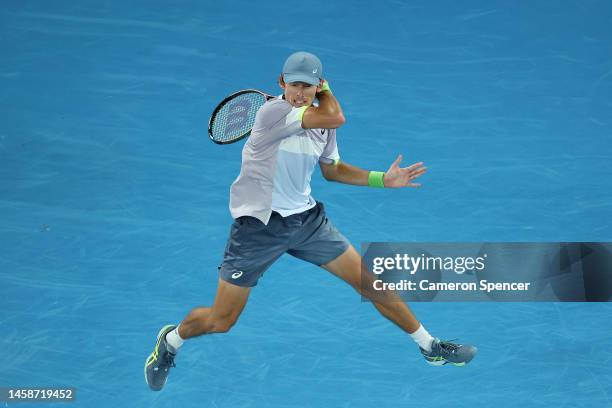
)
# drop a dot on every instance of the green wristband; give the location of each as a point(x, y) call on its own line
point(375, 179)
point(325, 87)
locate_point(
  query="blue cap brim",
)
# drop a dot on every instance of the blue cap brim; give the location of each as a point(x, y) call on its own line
point(289, 78)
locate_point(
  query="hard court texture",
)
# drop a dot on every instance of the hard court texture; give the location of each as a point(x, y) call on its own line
point(114, 203)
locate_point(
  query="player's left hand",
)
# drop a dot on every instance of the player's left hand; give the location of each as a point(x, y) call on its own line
point(398, 176)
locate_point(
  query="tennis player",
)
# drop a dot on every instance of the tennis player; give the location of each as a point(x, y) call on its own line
point(274, 213)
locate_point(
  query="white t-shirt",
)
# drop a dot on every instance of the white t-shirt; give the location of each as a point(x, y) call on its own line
point(278, 161)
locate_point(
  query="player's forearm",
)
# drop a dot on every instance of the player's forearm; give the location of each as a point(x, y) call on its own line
point(349, 174)
point(329, 104)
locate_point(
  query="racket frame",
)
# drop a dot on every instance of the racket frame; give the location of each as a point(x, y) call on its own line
point(225, 102)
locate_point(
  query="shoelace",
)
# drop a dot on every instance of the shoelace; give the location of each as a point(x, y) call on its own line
point(451, 347)
point(170, 360)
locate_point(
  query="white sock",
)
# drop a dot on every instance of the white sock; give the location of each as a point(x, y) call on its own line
point(422, 338)
point(174, 340)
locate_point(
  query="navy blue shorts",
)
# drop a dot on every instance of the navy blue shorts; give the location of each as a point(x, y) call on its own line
point(252, 246)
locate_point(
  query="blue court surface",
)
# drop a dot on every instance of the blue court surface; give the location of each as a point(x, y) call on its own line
point(114, 203)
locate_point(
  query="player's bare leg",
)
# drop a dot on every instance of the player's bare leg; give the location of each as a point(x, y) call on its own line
point(219, 318)
point(348, 267)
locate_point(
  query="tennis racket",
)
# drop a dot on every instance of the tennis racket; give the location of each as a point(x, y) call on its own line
point(233, 119)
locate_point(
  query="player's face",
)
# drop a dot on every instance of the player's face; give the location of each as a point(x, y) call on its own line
point(299, 93)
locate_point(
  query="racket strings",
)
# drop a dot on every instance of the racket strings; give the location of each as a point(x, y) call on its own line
point(236, 117)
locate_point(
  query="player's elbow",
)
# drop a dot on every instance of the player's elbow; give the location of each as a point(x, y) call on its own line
point(329, 172)
point(328, 176)
point(334, 121)
point(339, 120)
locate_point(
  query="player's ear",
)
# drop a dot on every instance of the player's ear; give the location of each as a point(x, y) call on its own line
point(281, 81)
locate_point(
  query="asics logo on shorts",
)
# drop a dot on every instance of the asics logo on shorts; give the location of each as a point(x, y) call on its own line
point(236, 275)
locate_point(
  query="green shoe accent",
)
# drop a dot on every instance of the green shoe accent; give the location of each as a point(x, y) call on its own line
point(157, 365)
